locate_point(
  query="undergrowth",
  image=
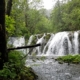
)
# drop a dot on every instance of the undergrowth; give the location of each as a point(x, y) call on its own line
point(15, 68)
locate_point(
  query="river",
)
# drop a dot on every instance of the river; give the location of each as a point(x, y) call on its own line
point(49, 69)
point(58, 44)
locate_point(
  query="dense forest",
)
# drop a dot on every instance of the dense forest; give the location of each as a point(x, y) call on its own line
point(66, 15)
point(27, 17)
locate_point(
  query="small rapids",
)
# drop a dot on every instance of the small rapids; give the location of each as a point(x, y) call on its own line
point(49, 69)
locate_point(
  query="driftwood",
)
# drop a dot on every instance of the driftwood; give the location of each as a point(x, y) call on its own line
point(23, 47)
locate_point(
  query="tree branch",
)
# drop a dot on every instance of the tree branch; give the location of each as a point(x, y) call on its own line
point(23, 47)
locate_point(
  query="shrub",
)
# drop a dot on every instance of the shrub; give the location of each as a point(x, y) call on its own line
point(15, 68)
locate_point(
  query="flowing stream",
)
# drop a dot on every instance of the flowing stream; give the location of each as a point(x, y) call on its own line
point(49, 69)
point(52, 46)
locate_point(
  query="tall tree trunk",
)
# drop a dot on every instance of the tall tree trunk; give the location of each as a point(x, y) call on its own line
point(9, 6)
point(3, 55)
point(26, 9)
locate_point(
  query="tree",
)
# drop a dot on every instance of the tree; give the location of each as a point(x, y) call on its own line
point(3, 49)
point(9, 6)
point(56, 16)
point(66, 16)
point(18, 14)
point(36, 20)
point(71, 16)
point(9, 23)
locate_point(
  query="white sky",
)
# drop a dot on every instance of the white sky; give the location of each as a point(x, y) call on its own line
point(48, 4)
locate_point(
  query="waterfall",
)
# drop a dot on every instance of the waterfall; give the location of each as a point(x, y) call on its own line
point(55, 46)
point(17, 42)
point(42, 42)
point(59, 44)
point(76, 43)
point(30, 40)
point(48, 43)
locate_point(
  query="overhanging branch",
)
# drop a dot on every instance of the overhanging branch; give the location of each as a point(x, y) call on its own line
point(23, 47)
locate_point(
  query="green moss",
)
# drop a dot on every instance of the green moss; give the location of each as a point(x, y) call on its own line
point(40, 35)
point(34, 40)
point(47, 37)
point(69, 59)
point(43, 58)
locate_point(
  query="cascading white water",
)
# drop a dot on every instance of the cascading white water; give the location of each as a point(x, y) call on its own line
point(42, 42)
point(61, 43)
point(76, 43)
point(17, 42)
point(56, 45)
point(48, 43)
point(30, 40)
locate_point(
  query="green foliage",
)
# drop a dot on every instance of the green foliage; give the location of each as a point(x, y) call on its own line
point(37, 22)
point(6, 73)
point(18, 14)
point(15, 68)
point(9, 25)
point(66, 16)
point(29, 19)
point(69, 59)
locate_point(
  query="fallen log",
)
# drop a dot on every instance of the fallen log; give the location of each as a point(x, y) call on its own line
point(23, 47)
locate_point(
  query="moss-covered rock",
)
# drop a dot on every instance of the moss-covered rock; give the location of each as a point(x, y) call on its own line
point(28, 74)
point(47, 37)
point(34, 40)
